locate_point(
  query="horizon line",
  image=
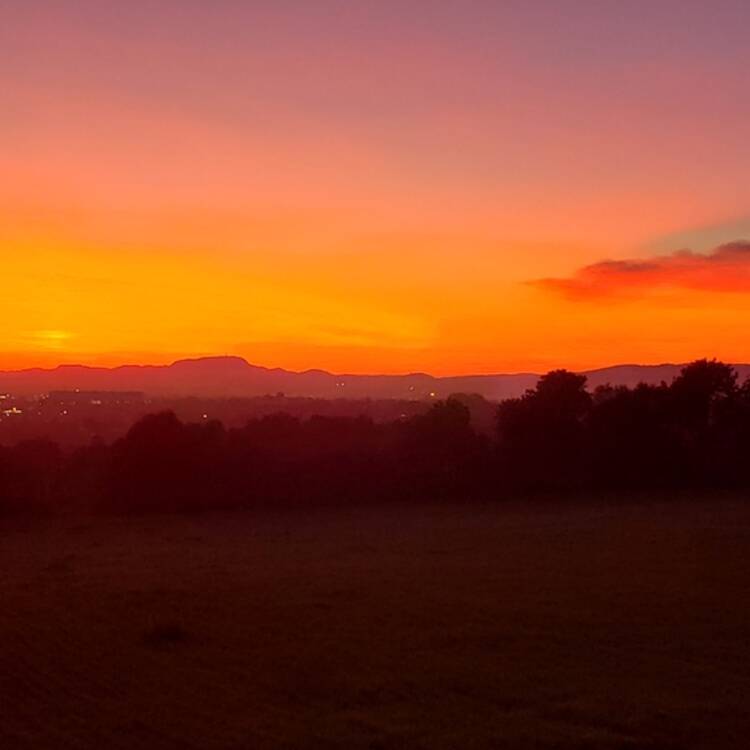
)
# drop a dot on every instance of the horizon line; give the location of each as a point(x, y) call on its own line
point(207, 357)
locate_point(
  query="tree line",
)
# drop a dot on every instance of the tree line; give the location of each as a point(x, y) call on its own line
point(693, 433)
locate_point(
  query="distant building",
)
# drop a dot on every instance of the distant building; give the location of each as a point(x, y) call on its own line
point(97, 398)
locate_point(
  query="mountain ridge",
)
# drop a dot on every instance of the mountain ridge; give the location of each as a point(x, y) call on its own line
point(231, 376)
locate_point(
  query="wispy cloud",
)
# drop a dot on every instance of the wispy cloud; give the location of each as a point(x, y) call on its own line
point(724, 269)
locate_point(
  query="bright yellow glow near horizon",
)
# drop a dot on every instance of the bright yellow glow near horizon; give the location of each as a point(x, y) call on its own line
point(372, 191)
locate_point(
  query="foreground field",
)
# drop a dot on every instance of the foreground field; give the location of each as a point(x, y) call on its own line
point(506, 626)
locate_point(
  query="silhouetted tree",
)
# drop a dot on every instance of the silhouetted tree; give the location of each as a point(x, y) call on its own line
point(163, 464)
point(632, 442)
point(542, 435)
point(438, 452)
point(29, 476)
point(692, 433)
point(703, 399)
point(483, 413)
point(699, 389)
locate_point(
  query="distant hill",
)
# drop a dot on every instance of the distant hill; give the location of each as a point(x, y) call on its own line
point(234, 376)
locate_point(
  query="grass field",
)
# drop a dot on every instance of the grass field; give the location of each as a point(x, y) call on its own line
point(566, 626)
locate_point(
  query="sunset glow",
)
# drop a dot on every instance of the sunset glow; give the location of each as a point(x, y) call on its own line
point(376, 186)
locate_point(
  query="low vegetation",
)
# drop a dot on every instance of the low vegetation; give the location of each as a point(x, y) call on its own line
point(693, 433)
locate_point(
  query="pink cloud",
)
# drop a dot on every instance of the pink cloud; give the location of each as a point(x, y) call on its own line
point(724, 269)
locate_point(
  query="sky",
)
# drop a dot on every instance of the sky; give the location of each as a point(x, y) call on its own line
point(375, 186)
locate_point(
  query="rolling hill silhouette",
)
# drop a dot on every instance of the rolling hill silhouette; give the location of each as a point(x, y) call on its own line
point(234, 376)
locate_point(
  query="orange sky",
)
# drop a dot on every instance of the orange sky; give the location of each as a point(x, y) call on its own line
point(374, 189)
